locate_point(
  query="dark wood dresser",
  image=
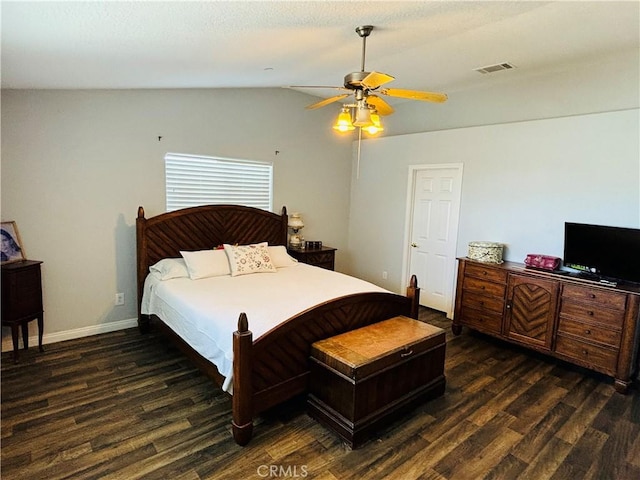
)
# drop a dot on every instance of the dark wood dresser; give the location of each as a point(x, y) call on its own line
point(364, 378)
point(580, 321)
point(22, 300)
point(320, 257)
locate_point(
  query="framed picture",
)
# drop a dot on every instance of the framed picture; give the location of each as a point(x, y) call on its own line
point(11, 249)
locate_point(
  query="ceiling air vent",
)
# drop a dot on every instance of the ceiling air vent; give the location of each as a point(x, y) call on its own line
point(495, 68)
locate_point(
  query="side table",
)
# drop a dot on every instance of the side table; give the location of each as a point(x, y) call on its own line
point(22, 301)
point(320, 257)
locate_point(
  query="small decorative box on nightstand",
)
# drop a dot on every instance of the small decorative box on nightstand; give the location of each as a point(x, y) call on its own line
point(320, 257)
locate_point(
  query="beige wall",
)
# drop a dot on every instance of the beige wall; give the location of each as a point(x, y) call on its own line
point(521, 182)
point(77, 164)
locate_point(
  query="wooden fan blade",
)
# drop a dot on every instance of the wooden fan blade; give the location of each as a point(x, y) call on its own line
point(382, 107)
point(329, 87)
point(415, 95)
point(326, 101)
point(375, 79)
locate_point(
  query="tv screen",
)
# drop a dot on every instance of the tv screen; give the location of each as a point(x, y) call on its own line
point(609, 252)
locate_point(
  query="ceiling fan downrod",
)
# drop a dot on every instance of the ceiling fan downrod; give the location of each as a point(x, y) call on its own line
point(364, 31)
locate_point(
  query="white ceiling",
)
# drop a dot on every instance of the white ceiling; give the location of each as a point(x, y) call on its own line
point(426, 45)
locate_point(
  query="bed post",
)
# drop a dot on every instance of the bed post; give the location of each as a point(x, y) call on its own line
point(242, 400)
point(413, 293)
point(141, 250)
point(284, 229)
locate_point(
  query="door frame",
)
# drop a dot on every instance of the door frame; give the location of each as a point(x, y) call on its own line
point(408, 222)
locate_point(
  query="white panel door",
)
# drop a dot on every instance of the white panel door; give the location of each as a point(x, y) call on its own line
point(433, 232)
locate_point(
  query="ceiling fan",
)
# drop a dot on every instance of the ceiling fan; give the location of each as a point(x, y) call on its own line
point(365, 86)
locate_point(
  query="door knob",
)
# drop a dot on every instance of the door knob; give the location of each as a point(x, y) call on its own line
point(414, 245)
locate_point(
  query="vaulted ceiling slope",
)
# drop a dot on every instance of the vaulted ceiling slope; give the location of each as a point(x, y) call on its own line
point(426, 45)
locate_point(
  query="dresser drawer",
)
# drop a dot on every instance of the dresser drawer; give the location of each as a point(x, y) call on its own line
point(324, 260)
point(482, 302)
point(482, 320)
point(592, 313)
point(317, 258)
point(602, 298)
point(475, 285)
point(590, 332)
point(602, 359)
point(323, 257)
point(485, 273)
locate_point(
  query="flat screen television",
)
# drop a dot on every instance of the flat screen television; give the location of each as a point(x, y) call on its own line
point(609, 253)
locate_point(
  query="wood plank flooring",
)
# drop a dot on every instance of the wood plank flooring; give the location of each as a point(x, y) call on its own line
point(126, 406)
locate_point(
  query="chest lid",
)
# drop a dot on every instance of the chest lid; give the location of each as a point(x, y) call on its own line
point(370, 349)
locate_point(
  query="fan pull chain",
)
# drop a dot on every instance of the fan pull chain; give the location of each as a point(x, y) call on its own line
point(358, 163)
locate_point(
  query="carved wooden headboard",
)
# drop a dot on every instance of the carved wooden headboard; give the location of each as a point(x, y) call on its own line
point(201, 228)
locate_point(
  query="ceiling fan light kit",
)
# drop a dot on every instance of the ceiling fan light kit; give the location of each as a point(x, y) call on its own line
point(362, 116)
point(343, 123)
point(365, 112)
point(365, 118)
point(376, 125)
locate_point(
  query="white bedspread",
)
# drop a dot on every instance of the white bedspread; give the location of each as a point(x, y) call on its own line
point(205, 312)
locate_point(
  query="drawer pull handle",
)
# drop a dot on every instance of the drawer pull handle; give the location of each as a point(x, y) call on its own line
point(590, 313)
point(585, 352)
point(406, 354)
point(484, 272)
point(592, 295)
point(588, 332)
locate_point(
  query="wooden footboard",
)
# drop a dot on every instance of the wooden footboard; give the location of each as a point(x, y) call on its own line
point(275, 367)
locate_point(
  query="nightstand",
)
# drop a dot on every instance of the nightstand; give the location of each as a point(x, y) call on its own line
point(320, 257)
point(22, 301)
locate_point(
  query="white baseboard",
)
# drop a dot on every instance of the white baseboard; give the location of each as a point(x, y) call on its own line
point(7, 344)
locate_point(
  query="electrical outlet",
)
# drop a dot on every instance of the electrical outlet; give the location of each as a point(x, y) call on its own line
point(384, 275)
point(119, 298)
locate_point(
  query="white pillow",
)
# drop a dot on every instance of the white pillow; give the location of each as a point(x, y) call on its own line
point(206, 263)
point(168, 268)
point(280, 257)
point(245, 259)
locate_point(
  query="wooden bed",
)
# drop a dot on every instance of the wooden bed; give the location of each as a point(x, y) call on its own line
point(274, 367)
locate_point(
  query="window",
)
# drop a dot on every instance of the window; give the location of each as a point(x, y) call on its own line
point(193, 180)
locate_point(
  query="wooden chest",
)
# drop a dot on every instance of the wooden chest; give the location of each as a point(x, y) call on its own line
point(367, 377)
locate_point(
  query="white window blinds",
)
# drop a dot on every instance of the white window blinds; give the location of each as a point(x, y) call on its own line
point(197, 180)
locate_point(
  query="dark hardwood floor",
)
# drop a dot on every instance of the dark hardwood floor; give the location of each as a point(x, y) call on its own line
point(124, 406)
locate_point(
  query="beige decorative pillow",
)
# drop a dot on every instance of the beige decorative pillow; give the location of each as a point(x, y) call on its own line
point(206, 263)
point(279, 256)
point(169, 268)
point(245, 259)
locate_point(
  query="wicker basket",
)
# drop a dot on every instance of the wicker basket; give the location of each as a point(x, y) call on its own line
point(489, 252)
